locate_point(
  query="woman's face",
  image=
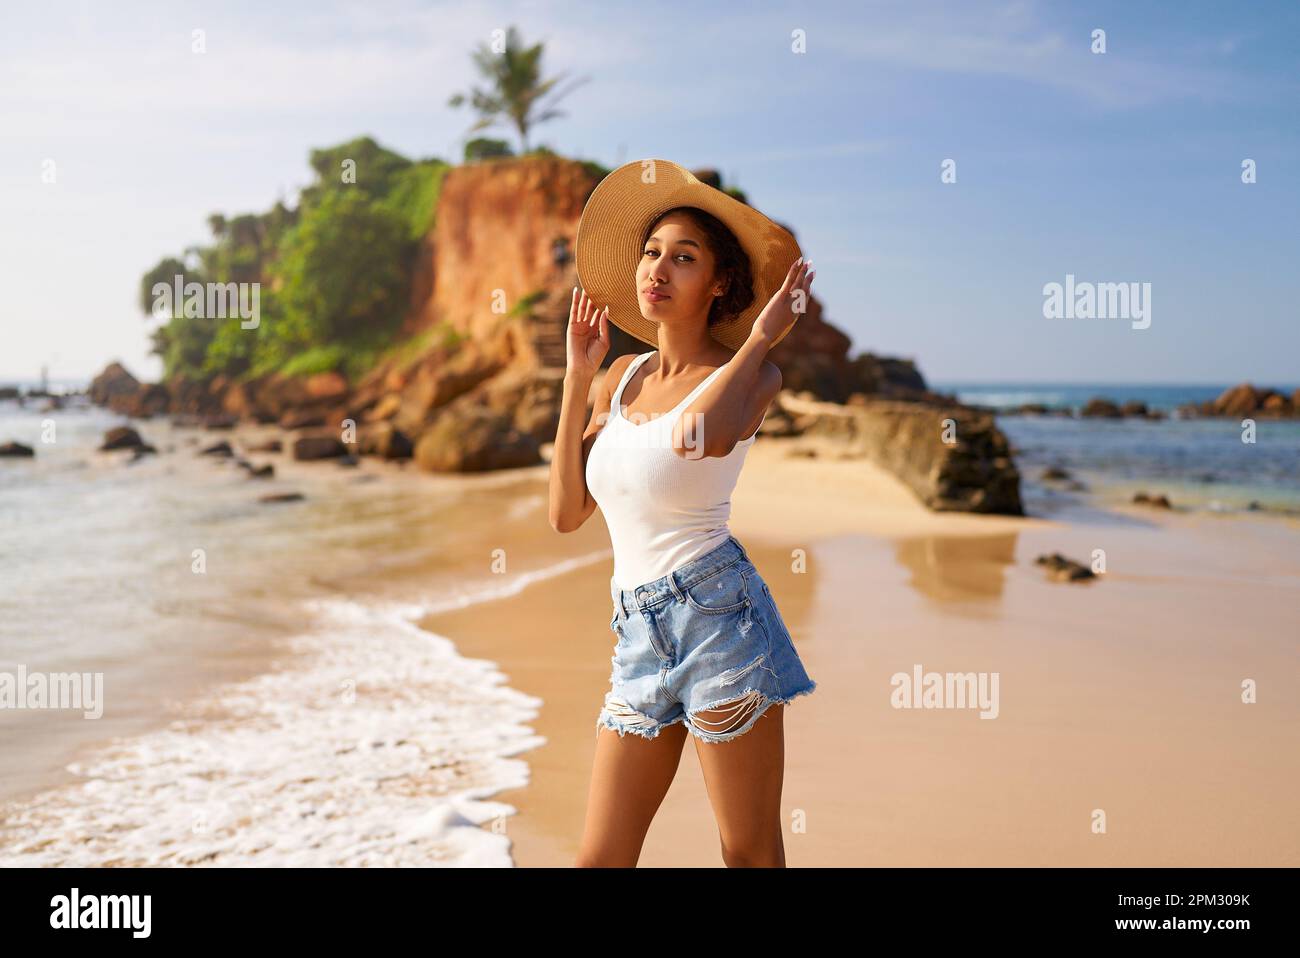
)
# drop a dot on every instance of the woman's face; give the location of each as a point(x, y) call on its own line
point(677, 263)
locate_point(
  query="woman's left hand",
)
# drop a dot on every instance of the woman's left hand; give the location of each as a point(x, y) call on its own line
point(787, 303)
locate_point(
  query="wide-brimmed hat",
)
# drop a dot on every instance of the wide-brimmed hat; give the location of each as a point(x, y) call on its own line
point(624, 205)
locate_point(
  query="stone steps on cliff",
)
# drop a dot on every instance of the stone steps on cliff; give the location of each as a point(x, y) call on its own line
point(549, 329)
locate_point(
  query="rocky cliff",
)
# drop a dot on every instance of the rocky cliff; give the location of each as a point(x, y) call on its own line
point(494, 241)
point(476, 383)
point(953, 458)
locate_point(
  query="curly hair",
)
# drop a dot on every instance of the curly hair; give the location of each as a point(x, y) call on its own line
point(730, 261)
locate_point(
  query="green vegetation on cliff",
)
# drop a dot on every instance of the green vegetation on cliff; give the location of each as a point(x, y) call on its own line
point(333, 275)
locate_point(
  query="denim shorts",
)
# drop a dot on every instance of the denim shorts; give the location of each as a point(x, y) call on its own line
point(707, 637)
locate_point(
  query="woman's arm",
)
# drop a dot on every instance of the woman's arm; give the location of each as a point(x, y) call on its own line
point(733, 405)
point(587, 345)
point(731, 408)
point(571, 502)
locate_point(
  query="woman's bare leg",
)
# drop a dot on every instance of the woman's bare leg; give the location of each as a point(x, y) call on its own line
point(744, 776)
point(629, 779)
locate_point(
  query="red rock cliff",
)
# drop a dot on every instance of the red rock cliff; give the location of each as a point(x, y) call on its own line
point(492, 243)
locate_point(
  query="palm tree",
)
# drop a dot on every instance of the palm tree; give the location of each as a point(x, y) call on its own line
point(515, 91)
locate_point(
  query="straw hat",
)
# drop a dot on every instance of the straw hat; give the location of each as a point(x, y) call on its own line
point(622, 208)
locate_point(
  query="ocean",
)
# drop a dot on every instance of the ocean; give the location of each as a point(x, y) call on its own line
point(280, 706)
point(1202, 464)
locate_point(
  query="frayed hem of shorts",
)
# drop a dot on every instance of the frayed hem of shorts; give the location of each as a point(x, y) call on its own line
point(604, 720)
point(719, 738)
point(812, 687)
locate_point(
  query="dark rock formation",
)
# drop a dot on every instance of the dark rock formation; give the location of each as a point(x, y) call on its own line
point(971, 473)
point(473, 439)
point(113, 381)
point(1061, 569)
point(121, 437)
point(302, 419)
point(386, 441)
point(1100, 408)
point(282, 497)
point(307, 448)
point(1157, 501)
point(1245, 400)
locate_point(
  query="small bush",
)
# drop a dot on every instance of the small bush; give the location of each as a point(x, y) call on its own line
point(318, 359)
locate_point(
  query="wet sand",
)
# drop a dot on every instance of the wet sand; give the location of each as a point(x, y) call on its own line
point(1121, 737)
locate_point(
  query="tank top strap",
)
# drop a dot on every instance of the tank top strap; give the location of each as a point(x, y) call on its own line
point(617, 399)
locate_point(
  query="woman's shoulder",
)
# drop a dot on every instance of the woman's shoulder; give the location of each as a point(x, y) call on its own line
point(619, 364)
point(617, 369)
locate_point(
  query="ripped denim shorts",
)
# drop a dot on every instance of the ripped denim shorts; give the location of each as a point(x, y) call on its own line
point(704, 645)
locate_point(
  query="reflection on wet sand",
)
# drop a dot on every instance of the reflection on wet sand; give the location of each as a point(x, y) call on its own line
point(792, 575)
point(957, 568)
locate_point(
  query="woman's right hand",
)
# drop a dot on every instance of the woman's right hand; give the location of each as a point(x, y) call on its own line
point(587, 341)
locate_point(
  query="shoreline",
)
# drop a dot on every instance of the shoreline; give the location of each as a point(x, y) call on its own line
point(539, 633)
point(351, 539)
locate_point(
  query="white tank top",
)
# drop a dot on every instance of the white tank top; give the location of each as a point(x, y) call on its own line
point(662, 510)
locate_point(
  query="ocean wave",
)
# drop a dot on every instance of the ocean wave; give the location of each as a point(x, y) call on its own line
point(373, 743)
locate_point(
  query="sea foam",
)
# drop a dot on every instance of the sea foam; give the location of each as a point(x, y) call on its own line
point(373, 742)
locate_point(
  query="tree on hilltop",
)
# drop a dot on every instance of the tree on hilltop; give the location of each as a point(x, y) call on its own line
point(516, 90)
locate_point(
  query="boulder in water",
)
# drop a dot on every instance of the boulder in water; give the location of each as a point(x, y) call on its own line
point(113, 381)
point(121, 437)
point(1099, 407)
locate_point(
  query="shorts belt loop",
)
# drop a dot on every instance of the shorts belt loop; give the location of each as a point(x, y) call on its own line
point(672, 584)
point(743, 554)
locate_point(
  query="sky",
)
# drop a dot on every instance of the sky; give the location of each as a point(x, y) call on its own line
point(1123, 166)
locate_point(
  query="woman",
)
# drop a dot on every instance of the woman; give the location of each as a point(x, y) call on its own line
point(701, 647)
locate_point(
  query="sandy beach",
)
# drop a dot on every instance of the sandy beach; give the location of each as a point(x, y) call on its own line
point(1121, 697)
point(1120, 700)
